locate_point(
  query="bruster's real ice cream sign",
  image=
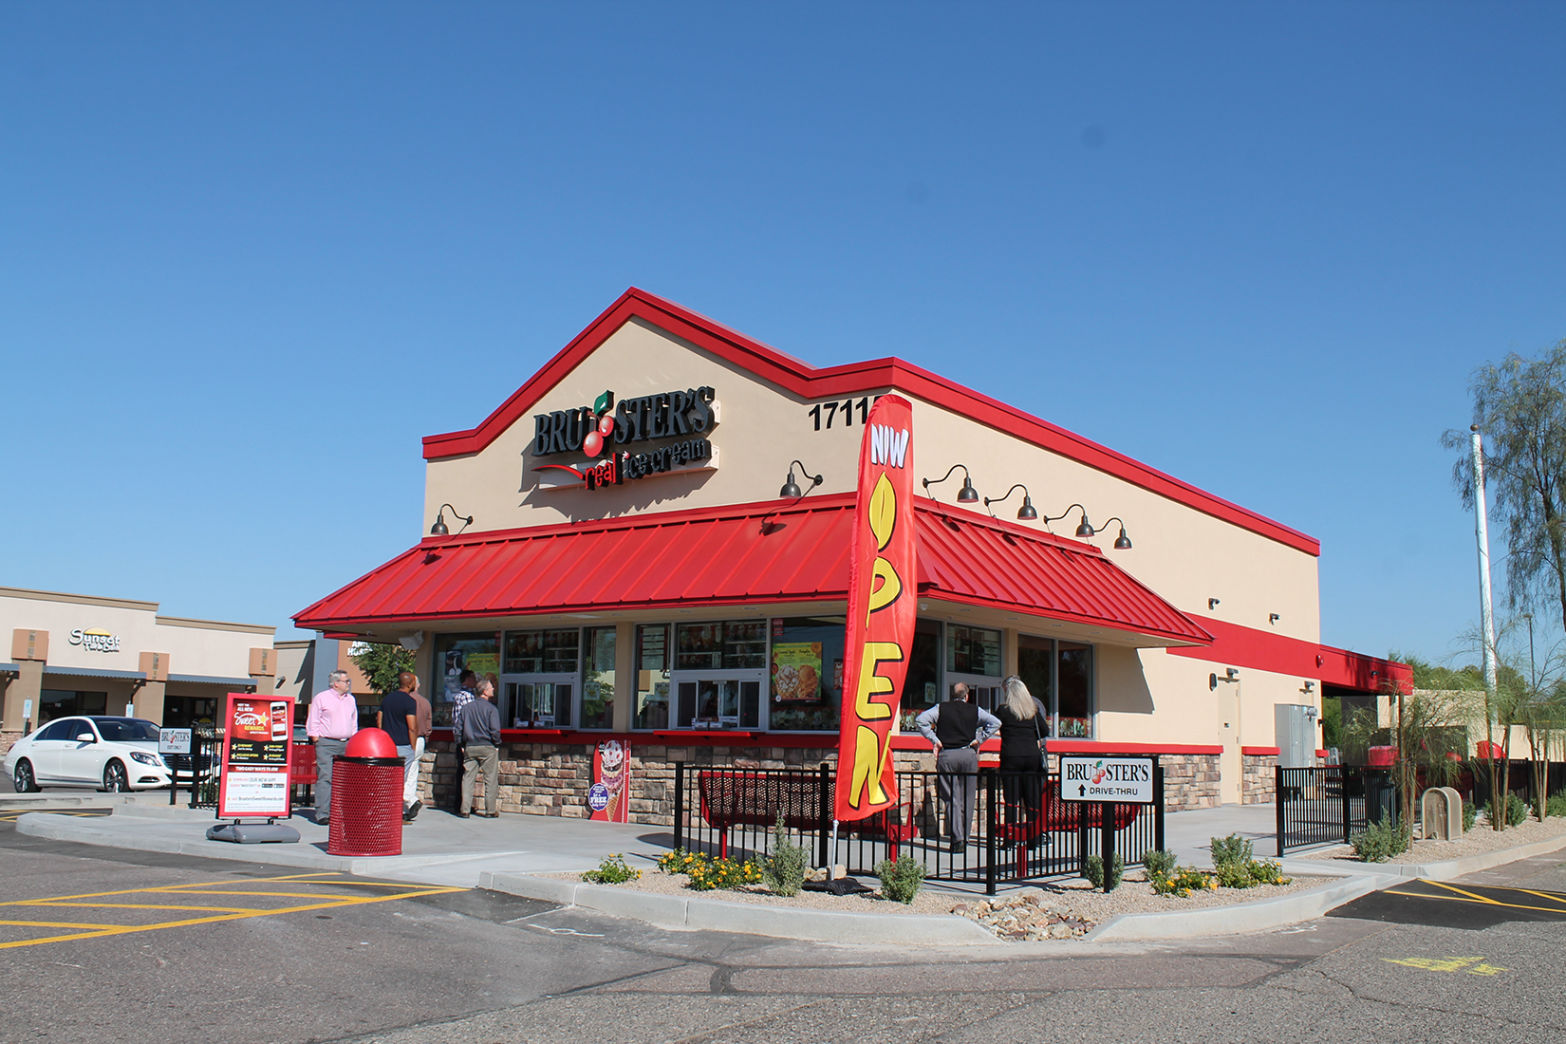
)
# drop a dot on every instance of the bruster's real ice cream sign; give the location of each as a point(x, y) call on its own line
point(597, 431)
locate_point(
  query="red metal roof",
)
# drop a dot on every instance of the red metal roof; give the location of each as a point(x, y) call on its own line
point(748, 554)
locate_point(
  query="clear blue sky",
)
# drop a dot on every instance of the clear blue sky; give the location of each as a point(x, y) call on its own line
point(250, 254)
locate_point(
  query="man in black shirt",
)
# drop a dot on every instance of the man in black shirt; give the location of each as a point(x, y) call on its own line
point(956, 729)
point(398, 717)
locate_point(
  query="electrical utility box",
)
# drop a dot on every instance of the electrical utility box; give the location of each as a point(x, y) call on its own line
point(1296, 730)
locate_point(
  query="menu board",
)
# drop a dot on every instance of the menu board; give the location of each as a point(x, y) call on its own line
point(796, 671)
point(256, 749)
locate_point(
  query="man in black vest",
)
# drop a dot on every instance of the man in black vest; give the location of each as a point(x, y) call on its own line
point(955, 729)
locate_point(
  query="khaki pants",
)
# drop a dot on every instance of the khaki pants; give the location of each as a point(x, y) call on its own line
point(480, 756)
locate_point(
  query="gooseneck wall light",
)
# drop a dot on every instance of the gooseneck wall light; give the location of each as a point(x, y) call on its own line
point(1084, 528)
point(439, 528)
point(1025, 513)
point(966, 495)
point(1122, 542)
point(790, 490)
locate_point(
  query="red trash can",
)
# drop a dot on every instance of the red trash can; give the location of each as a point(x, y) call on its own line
point(1381, 757)
point(366, 797)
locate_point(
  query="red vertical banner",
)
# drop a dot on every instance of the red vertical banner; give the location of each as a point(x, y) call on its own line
point(882, 606)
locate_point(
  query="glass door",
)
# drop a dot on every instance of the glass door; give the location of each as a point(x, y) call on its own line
point(540, 701)
point(717, 699)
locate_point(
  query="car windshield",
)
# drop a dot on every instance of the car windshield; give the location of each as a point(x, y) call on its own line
point(121, 730)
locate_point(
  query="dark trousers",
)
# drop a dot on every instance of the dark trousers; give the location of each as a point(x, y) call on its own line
point(325, 751)
point(957, 783)
point(1022, 782)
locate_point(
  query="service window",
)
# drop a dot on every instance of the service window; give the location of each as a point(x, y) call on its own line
point(806, 673)
point(598, 678)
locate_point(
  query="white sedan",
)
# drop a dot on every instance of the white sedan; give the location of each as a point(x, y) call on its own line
point(109, 753)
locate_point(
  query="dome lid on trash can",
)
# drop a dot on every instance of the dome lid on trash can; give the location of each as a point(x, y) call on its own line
point(370, 743)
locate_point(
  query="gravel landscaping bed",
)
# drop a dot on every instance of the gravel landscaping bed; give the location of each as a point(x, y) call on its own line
point(1060, 910)
point(1478, 841)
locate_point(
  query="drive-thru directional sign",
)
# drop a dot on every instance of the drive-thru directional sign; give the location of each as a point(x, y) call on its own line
point(1118, 779)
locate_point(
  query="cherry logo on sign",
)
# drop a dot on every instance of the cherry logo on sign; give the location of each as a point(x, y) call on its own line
point(593, 441)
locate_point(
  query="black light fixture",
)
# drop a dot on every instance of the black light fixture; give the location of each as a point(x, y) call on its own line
point(439, 528)
point(966, 495)
point(790, 490)
point(1122, 542)
point(1025, 513)
point(1084, 528)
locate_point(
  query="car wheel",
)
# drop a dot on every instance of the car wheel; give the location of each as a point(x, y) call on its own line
point(23, 779)
point(114, 779)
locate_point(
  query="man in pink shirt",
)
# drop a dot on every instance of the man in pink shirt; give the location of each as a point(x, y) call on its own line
point(331, 723)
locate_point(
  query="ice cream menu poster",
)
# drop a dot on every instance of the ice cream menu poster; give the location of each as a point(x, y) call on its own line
point(608, 797)
point(256, 749)
point(796, 671)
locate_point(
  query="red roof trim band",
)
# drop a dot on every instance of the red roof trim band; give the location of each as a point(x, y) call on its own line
point(1239, 646)
point(809, 382)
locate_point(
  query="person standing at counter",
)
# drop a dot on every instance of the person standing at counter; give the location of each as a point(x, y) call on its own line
point(481, 747)
point(330, 724)
point(1022, 751)
point(955, 730)
point(398, 717)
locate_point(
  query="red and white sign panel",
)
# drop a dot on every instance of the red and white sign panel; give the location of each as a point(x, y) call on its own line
point(256, 749)
point(882, 605)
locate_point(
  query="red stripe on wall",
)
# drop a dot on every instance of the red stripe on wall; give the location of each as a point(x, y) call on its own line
point(1237, 646)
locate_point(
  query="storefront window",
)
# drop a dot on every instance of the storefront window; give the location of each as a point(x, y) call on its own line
point(455, 653)
point(1060, 674)
point(922, 688)
point(652, 677)
point(730, 645)
point(62, 703)
point(973, 650)
point(806, 675)
point(1074, 694)
point(542, 652)
point(598, 678)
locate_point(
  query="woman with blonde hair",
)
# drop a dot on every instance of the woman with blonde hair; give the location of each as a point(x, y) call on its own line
point(1024, 724)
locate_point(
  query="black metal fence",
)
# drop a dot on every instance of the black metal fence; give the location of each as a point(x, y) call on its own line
point(197, 772)
point(1020, 829)
point(1330, 803)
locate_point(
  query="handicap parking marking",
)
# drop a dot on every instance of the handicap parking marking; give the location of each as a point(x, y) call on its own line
point(120, 900)
point(1469, 965)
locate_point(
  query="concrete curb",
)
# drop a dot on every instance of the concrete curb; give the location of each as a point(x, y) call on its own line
point(1237, 920)
point(692, 914)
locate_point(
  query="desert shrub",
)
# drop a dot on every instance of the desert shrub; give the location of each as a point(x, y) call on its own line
point(1233, 875)
point(612, 871)
point(784, 870)
point(1516, 810)
point(1233, 850)
point(1470, 814)
point(900, 879)
point(1094, 872)
point(1182, 881)
point(1556, 806)
point(1159, 863)
point(1381, 841)
point(1266, 871)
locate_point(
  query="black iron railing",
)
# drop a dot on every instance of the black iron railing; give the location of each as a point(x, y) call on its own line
point(1020, 829)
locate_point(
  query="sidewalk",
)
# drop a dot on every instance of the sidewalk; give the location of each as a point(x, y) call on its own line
point(509, 853)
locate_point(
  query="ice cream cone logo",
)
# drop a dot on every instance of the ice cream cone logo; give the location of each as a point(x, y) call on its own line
point(611, 773)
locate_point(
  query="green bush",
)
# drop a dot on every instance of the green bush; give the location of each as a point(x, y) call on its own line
point(1556, 806)
point(1233, 850)
point(1233, 875)
point(1516, 810)
point(1381, 841)
point(1159, 863)
point(900, 880)
point(1094, 871)
point(612, 871)
point(1470, 813)
point(704, 873)
point(784, 870)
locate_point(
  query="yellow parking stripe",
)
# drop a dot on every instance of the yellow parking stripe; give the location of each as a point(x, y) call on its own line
point(222, 913)
point(53, 924)
point(1464, 896)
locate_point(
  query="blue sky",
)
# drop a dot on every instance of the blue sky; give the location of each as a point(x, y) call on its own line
point(251, 254)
